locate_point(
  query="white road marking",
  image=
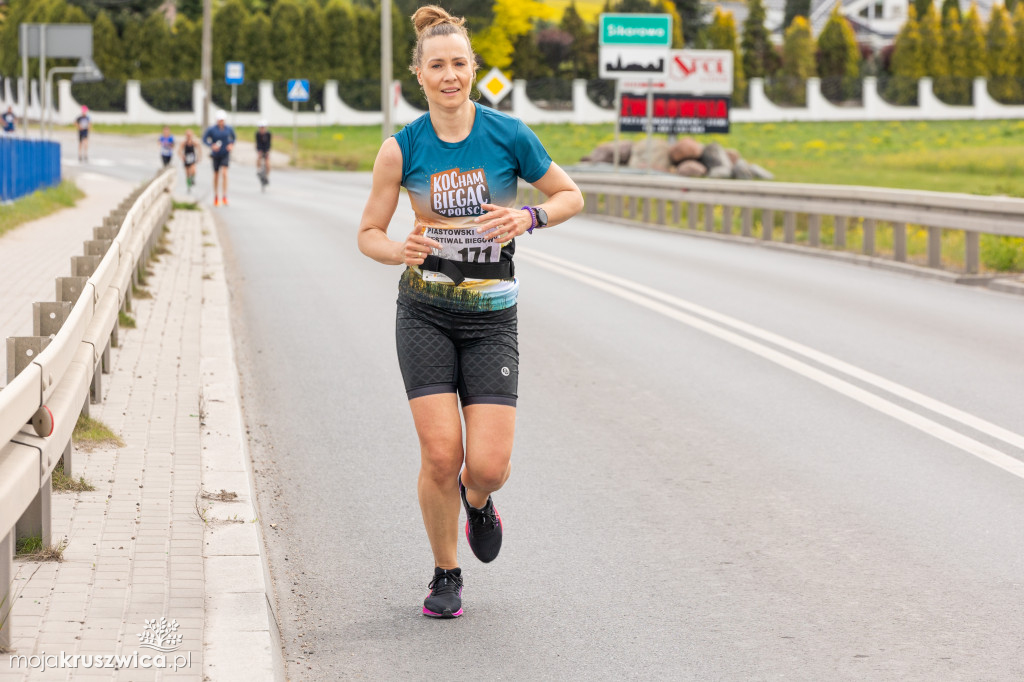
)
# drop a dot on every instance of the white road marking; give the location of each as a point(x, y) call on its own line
point(662, 303)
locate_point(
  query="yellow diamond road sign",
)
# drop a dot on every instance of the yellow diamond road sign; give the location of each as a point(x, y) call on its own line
point(494, 86)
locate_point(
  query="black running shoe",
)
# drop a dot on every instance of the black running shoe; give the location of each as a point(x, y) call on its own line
point(445, 598)
point(483, 528)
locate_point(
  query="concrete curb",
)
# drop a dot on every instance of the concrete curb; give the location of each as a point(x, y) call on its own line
point(991, 282)
point(242, 639)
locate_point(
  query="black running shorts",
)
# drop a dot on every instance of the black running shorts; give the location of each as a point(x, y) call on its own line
point(219, 162)
point(473, 354)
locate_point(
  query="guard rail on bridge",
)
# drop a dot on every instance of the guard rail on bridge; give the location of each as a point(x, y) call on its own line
point(53, 375)
point(760, 206)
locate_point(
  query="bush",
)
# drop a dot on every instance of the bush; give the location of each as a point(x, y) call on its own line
point(107, 95)
point(167, 94)
point(1004, 254)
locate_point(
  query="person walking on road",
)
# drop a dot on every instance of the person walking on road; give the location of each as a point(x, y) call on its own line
point(220, 138)
point(9, 121)
point(190, 157)
point(84, 124)
point(456, 327)
point(263, 137)
point(166, 146)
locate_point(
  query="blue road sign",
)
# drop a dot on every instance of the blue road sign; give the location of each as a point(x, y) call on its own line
point(298, 90)
point(234, 73)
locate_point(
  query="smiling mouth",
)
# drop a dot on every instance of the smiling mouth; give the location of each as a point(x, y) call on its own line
point(450, 91)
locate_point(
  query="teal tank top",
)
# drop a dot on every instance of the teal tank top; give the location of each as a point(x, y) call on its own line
point(447, 182)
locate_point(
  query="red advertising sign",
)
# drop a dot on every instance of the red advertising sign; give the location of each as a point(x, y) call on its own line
point(675, 114)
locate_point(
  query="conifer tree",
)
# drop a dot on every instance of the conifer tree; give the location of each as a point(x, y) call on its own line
point(132, 47)
point(693, 16)
point(256, 38)
point(583, 51)
point(1001, 53)
point(921, 6)
point(933, 49)
point(155, 37)
point(106, 48)
point(187, 41)
point(286, 53)
point(796, 8)
point(908, 65)
point(838, 57)
point(951, 8)
point(759, 58)
point(956, 87)
point(315, 42)
point(1018, 30)
point(721, 35)
point(972, 38)
point(344, 60)
point(797, 62)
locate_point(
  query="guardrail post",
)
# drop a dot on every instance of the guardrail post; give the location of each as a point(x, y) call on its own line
point(972, 252)
point(48, 317)
point(709, 217)
point(35, 522)
point(869, 237)
point(22, 351)
point(934, 247)
point(6, 589)
point(789, 227)
point(839, 235)
point(677, 213)
point(814, 229)
point(68, 457)
point(691, 216)
point(899, 242)
point(647, 208)
point(70, 288)
point(767, 223)
point(105, 232)
point(96, 247)
point(747, 221)
point(726, 219)
point(630, 207)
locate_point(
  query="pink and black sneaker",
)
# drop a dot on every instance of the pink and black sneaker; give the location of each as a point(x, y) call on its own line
point(445, 598)
point(483, 528)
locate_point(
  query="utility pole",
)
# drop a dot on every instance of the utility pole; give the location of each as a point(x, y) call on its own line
point(207, 59)
point(385, 68)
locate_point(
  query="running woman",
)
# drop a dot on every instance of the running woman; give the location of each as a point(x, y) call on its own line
point(190, 156)
point(456, 322)
point(220, 138)
point(166, 146)
point(263, 149)
point(84, 124)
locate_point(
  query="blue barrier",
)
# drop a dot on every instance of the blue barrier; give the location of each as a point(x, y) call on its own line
point(27, 165)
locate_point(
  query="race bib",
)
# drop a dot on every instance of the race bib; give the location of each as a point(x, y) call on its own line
point(463, 245)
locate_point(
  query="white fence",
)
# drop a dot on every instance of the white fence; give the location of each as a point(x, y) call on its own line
point(334, 111)
point(53, 375)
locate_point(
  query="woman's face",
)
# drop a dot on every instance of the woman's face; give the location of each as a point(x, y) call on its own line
point(446, 70)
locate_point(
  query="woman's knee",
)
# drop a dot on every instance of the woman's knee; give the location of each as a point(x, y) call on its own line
point(488, 475)
point(441, 460)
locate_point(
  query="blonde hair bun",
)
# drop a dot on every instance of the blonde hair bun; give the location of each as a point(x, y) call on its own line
point(429, 16)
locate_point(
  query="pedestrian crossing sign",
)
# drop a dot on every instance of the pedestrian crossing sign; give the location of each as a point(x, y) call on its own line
point(298, 90)
point(494, 86)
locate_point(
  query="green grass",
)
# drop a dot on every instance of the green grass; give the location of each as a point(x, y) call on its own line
point(64, 483)
point(125, 320)
point(33, 549)
point(90, 434)
point(38, 205)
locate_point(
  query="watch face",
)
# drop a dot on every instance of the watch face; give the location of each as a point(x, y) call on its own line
point(542, 218)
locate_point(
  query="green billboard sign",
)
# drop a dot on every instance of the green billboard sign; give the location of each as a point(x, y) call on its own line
point(651, 30)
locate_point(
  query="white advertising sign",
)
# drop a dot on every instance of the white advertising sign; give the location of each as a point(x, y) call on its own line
point(691, 72)
point(618, 62)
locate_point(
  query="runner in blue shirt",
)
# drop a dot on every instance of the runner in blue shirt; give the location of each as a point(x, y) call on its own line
point(220, 138)
point(9, 121)
point(166, 146)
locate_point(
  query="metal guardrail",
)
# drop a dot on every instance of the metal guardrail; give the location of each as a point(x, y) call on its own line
point(688, 202)
point(27, 165)
point(54, 375)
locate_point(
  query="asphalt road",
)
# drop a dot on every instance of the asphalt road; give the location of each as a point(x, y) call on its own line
point(731, 463)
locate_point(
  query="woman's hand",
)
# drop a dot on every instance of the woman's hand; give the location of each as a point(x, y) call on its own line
point(416, 248)
point(500, 223)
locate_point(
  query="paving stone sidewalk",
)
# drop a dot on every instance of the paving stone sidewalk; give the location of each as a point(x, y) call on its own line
point(158, 538)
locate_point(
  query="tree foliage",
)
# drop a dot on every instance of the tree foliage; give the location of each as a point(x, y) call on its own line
point(759, 58)
point(797, 63)
point(1002, 53)
point(796, 8)
point(721, 35)
point(908, 64)
point(839, 57)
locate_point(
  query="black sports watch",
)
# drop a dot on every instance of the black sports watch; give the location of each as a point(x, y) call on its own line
point(542, 216)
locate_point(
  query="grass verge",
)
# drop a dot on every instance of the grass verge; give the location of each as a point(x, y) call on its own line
point(186, 205)
point(66, 484)
point(33, 549)
point(38, 205)
point(90, 434)
point(125, 320)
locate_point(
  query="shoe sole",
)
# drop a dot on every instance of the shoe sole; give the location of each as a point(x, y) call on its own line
point(479, 558)
point(447, 614)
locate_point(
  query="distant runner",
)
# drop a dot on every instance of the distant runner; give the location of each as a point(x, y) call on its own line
point(263, 152)
point(9, 120)
point(166, 146)
point(190, 157)
point(84, 124)
point(220, 138)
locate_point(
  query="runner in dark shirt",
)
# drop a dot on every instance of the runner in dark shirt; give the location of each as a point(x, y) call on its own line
point(220, 138)
point(263, 151)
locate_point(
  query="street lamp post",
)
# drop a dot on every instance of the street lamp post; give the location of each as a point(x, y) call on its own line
point(385, 67)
